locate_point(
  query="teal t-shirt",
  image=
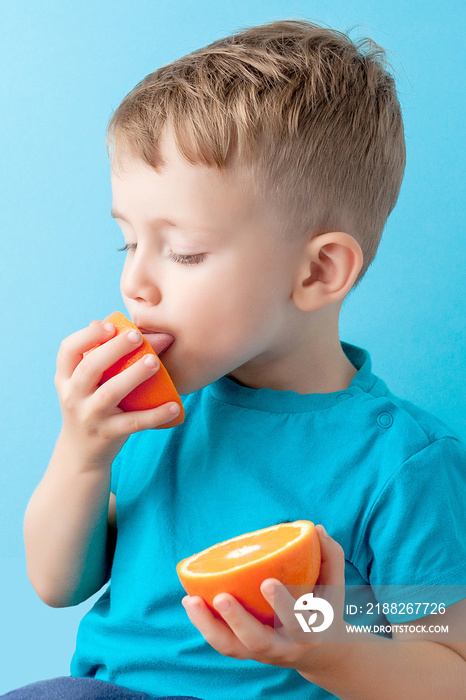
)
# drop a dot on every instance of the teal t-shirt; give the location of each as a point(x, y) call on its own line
point(383, 476)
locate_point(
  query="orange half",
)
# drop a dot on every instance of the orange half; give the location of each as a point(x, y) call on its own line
point(289, 552)
point(153, 392)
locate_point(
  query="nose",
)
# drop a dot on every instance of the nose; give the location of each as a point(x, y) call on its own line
point(138, 279)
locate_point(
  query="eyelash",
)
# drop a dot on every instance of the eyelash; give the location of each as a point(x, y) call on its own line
point(187, 259)
point(126, 247)
point(182, 259)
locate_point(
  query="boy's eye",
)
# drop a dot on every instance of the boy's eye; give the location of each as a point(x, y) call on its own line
point(187, 259)
point(176, 257)
point(126, 247)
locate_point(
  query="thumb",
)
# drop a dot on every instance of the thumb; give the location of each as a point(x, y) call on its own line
point(332, 567)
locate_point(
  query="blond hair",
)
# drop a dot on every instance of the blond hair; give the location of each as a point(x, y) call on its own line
point(313, 115)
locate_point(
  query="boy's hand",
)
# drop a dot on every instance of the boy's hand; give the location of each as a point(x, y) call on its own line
point(242, 636)
point(92, 421)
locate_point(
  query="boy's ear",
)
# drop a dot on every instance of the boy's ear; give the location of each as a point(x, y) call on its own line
point(328, 269)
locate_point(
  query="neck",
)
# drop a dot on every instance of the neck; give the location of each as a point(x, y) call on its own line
point(313, 362)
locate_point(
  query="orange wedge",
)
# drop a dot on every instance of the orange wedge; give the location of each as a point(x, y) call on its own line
point(289, 552)
point(153, 392)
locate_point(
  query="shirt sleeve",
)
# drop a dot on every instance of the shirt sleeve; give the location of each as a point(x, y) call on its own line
point(415, 532)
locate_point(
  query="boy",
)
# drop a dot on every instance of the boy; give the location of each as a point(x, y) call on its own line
point(251, 180)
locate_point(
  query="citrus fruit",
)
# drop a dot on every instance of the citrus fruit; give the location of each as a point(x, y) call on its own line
point(289, 552)
point(153, 392)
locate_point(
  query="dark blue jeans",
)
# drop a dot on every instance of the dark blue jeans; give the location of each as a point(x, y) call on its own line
point(68, 688)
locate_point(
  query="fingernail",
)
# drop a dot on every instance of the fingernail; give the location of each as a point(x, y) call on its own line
point(174, 409)
point(134, 336)
point(269, 588)
point(192, 606)
point(223, 605)
point(151, 361)
point(108, 327)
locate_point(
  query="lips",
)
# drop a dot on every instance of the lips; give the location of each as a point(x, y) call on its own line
point(159, 341)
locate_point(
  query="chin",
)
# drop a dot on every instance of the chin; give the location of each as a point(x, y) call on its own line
point(189, 386)
point(189, 383)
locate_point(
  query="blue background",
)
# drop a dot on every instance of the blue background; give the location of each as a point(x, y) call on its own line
point(64, 67)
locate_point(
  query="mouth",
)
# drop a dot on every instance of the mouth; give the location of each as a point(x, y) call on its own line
point(160, 342)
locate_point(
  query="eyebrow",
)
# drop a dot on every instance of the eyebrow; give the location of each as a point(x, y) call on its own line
point(116, 215)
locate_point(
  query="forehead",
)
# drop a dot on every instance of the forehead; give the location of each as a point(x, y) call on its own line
point(192, 191)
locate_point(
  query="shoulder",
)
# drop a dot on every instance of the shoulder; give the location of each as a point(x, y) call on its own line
point(400, 423)
point(416, 444)
point(421, 495)
point(396, 426)
point(420, 422)
point(418, 471)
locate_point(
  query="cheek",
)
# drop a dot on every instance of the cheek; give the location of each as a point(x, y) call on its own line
point(226, 312)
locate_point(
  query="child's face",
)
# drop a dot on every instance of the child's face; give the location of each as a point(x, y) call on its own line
point(205, 267)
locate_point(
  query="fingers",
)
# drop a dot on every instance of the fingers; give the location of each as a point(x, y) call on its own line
point(92, 410)
point(105, 398)
point(88, 373)
point(253, 635)
point(331, 582)
point(116, 388)
point(240, 636)
point(214, 631)
point(281, 600)
point(126, 423)
point(74, 346)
